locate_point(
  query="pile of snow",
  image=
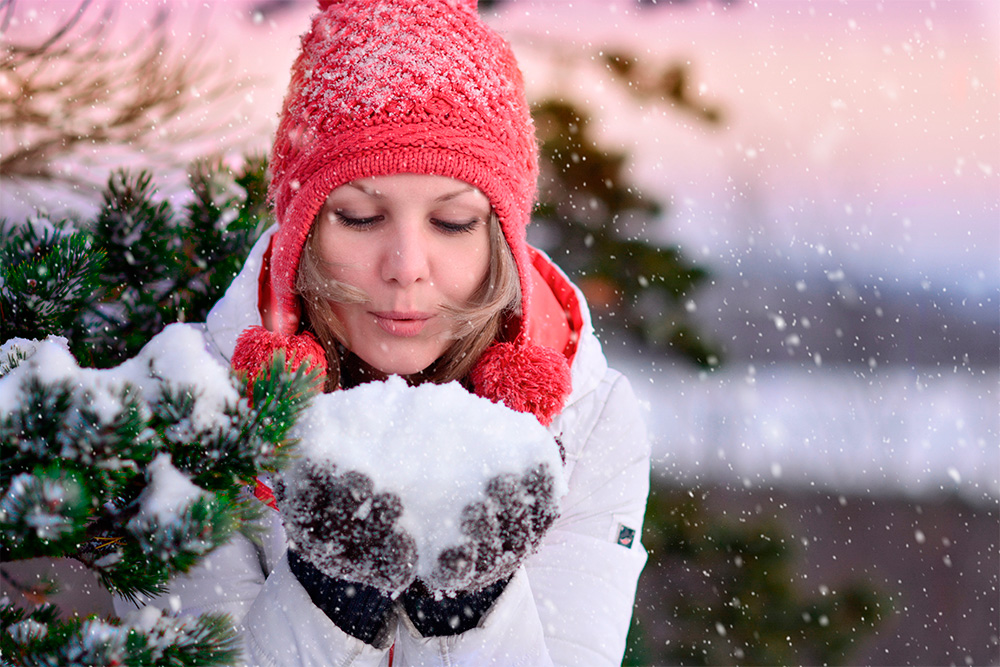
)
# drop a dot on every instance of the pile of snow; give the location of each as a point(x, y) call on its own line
point(167, 496)
point(436, 447)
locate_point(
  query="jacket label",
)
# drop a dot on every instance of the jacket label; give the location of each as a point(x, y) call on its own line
point(626, 535)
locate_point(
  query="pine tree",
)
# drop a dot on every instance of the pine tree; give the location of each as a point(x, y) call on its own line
point(135, 469)
point(595, 221)
point(138, 478)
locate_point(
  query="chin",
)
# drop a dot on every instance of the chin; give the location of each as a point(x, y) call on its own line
point(405, 371)
point(410, 365)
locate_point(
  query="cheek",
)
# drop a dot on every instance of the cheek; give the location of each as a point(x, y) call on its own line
point(469, 273)
point(344, 257)
point(352, 319)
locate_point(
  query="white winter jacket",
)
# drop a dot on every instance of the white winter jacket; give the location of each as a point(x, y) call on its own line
point(569, 604)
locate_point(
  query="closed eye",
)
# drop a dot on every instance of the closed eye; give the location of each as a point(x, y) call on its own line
point(357, 223)
point(450, 227)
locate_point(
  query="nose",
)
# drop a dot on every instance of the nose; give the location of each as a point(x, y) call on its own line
point(405, 257)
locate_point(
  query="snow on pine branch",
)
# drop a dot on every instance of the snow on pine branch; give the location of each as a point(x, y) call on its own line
point(137, 470)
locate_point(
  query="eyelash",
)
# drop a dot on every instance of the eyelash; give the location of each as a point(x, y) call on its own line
point(443, 225)
point(456, 227)
point(357, 223)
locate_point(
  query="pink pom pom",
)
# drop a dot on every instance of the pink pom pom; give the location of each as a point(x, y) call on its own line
point(526, 378)
point(324, 4)
point(256, 346)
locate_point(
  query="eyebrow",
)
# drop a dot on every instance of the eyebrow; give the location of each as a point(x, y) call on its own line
point(443, 198)
point(452, 195)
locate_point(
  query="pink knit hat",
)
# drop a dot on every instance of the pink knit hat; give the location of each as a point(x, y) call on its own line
point(383, 87)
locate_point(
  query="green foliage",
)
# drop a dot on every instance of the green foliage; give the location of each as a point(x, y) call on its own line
point(110, 284)
point(40, 638)
point(57, 426)
point(48, 275)
point(227, 214)
point(141, 240)
point(596, 226)
point(74, 478)
point(253, 444)
point(86, 474)
point(727, 595)
point(81, 460)
point(43, 514)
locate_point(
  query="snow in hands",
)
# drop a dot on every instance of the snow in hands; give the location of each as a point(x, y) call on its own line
point(398, 483)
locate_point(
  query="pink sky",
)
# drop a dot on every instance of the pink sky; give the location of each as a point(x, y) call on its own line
point(864, 128)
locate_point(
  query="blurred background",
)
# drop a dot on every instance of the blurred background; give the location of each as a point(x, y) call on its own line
point(786, 218)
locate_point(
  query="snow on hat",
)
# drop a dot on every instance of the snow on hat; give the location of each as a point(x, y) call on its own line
point(410, 86)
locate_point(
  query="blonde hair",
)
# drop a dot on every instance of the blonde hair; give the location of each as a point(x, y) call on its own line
point(479, 322)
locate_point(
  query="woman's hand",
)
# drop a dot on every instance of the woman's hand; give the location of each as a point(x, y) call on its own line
point(500, 531)
point(475, 484)
point(338, 523)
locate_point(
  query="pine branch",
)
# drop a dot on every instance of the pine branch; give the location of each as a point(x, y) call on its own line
point(47, 275)
point(229, 211)
point(58, 425)
point(11, 360)
point(89, 458)
point(151, 639)
point(278, 401)
point(140, 267)
point(140, 558)
point(139, 234)
point(43, 514)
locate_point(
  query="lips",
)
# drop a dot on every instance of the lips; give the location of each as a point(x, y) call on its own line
point(402, 324)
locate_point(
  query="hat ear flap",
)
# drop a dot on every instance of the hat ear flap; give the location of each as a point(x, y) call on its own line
point(525, 378)
point(256, 346)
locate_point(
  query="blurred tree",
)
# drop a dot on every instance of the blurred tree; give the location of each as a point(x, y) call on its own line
point(588, 204)
point(595, 219)
point(724, 590)
point(727, 595)
point(75, 91)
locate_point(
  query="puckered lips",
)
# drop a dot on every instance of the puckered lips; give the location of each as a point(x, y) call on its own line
point(404, 324)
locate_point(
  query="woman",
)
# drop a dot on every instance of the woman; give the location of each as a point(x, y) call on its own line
point(404, 172)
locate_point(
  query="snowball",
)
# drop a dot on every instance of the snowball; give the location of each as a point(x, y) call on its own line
point(435, 446)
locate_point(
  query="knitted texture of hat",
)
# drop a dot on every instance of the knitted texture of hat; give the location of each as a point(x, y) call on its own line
point(400, 86)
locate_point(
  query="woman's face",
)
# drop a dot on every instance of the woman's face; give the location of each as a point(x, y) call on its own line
point(413, 244)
